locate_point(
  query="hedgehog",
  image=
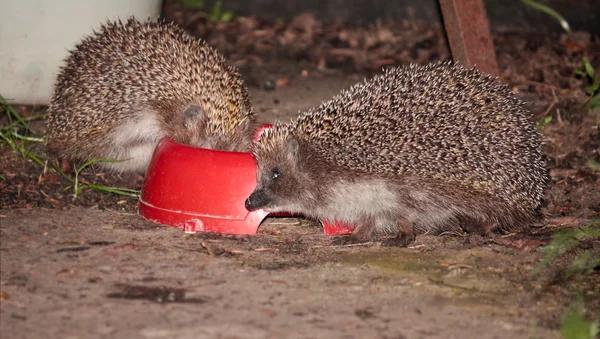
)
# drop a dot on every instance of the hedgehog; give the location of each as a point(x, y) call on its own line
point(126, 86)
point(416, 149)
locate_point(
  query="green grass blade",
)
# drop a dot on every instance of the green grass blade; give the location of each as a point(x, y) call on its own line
point(16, 142)
point(595, 102)
point(24, 138)
point(36, 158)
point(12, 112)
point(94, 161)
point(549, 11)
point(115, 190)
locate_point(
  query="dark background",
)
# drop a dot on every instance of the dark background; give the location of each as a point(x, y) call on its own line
point(504, 15)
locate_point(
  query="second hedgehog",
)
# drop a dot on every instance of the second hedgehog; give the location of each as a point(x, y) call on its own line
point(416, 149)
point(128, 85)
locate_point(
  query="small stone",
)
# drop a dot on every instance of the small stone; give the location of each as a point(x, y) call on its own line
point(269, 85)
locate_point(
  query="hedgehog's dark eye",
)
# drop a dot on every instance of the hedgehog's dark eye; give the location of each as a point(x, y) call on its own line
point(275, 174)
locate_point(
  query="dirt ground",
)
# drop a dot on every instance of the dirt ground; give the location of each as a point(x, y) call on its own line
point(92, 268)
point(87, 273)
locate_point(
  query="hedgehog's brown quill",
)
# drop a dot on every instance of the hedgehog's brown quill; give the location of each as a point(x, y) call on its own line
point(416, 149)
point(128, 85)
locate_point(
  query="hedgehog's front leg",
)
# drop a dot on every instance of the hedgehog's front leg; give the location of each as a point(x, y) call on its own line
point(363, 232)
point(406, 234)
point(65, 165)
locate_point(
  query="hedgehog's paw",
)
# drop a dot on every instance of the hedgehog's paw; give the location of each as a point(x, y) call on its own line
point(342, 240)
point(399, 241)
point(405, 237)
point(479, 227)
point(65, 165)
point(350, 239)
point(361, 234)
point(134, 180)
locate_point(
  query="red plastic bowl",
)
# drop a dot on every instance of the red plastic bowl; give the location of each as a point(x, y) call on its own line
point(204, 190)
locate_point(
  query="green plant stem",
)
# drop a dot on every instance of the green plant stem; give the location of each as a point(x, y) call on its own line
point(16, 142)
point(12, 112)
point(24, 138)
point(549, 11)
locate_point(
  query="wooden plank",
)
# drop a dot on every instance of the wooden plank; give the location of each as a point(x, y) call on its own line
point(468, 32)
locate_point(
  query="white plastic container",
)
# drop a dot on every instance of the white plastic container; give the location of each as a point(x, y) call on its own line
point(35, 36)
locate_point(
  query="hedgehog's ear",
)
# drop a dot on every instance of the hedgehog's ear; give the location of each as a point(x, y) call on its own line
point(293, 149)
point(192, 115)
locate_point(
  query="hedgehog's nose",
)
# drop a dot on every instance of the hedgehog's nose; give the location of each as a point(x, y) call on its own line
point(256, 200)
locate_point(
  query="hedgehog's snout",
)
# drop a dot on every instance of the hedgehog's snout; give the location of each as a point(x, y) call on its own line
point(256, 200)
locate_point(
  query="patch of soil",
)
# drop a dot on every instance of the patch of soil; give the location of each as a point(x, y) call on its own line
point(92, 273)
